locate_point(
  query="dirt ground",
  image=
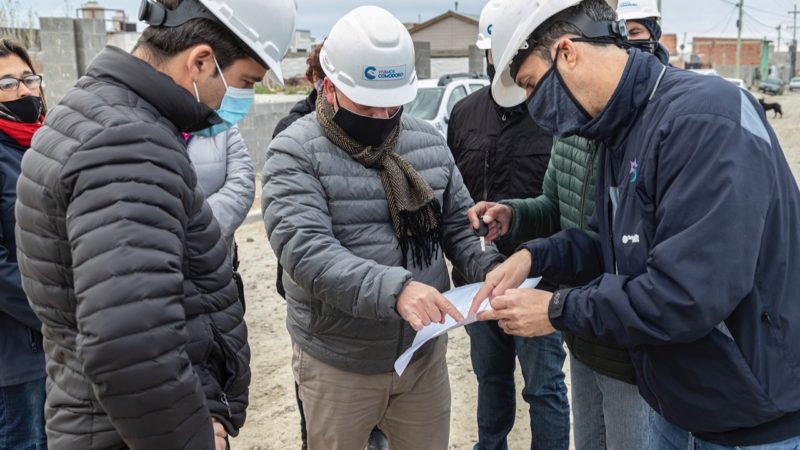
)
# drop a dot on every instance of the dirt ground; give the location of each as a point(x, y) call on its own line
point(273, 421)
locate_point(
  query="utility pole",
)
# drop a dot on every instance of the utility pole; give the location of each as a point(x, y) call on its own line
point(739, 39)
point(793, 47)
point(778, 47)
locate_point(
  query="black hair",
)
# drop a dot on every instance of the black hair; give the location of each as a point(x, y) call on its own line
point(161, 43)
point(8, 48)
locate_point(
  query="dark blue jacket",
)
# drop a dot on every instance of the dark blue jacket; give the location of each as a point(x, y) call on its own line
point(21, 357)
point(696, 264)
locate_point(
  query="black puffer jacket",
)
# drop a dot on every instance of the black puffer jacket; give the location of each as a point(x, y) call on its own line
point(300, 109)
point(124, 264)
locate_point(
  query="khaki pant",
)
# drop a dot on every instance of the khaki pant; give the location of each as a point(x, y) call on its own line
point(342, 407)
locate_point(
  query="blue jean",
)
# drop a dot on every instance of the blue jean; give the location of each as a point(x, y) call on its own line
point(494, 355)
point(670, 437)
point(609, 414)
point(22, 416)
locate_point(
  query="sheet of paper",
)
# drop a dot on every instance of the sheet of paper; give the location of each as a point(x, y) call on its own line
point(461, 298)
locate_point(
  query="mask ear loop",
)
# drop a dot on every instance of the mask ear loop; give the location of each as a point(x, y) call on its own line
point(220, 73)
point(566, 89)
point(196, 92)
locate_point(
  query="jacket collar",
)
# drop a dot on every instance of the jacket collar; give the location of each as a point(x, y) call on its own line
point(522, 108)
point(175, 103)
point(640, 79)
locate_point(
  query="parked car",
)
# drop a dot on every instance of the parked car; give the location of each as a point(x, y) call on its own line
point(705, 71)
point(436, 98)
point(772, 86)
point(794, 83)
point(738, 82)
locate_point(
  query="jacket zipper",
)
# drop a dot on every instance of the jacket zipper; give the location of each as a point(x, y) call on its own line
point(486, 175)
point(224, 399)
point(581, 217)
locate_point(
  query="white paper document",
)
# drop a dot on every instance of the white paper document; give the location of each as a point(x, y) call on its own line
point(461, 298)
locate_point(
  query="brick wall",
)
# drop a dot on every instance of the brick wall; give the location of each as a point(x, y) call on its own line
point(670, 41)
point(722, 51)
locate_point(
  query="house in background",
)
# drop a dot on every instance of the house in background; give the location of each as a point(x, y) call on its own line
point(302, 42)
point(450, 34)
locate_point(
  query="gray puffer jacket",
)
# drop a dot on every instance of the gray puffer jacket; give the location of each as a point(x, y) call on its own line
point(328, 221)
point(225, 174)
point(125, 266)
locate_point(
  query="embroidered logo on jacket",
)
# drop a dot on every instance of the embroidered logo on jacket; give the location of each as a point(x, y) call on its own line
point(634, 173)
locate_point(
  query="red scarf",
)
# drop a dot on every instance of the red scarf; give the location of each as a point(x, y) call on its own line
point(20, 131)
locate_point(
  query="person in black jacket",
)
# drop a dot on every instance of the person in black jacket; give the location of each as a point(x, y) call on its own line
point(22, 375)
point(315, 76)
point(501, 154)
point(120, 255)
point(695, 266)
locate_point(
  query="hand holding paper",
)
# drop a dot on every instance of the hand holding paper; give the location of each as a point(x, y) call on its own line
point(508, 275)
point(461, 298)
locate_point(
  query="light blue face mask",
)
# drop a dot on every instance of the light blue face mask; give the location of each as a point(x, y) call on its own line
point(234, 107)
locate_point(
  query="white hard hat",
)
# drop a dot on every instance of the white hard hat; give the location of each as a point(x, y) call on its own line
point(369, 57)
point(266, 26)
point(486, 24)
point(516, 21)
point(637, 9)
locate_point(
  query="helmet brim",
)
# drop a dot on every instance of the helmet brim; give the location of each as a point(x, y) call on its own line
point(504, 89)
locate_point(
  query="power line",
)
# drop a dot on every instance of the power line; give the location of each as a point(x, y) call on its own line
point(726, 21)
point(753, 8)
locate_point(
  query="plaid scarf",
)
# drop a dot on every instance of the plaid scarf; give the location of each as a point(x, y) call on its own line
point(415, 212)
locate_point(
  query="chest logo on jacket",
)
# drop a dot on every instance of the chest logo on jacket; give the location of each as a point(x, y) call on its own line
point(634, 173)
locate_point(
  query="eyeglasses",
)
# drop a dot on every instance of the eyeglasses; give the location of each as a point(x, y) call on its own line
point(12, 84)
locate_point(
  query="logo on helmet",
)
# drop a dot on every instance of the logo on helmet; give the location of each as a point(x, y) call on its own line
point(372, 73)
point(489, 29)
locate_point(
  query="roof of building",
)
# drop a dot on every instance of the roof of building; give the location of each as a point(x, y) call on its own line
point(468, 18)
point(726, 39)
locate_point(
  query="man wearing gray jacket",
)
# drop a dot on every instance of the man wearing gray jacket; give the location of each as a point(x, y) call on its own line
point(362, 204)
point(225, 175)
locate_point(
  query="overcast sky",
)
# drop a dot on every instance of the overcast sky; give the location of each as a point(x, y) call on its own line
point(695, 17)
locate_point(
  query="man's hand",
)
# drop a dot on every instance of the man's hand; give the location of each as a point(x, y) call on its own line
point(521, 312)
point(421, 305)
point(219, 435)
point(508, 275)
point(495, 215)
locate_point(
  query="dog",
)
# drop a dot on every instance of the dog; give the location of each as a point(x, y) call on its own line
point(771, 106)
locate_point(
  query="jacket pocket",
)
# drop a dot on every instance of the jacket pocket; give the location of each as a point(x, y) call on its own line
point(223, 361)
point(704, 386)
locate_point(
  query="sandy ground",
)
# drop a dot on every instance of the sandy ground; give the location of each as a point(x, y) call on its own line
point(272, 422)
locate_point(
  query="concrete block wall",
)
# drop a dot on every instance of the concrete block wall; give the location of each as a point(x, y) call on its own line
point(422, 54)
point(257, 129)
point(60, 56)
point(90, 38)
point(476, 59)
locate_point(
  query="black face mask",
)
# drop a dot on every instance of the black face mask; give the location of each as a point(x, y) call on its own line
point(26, 109)
point(490, 70)
point(366, 130)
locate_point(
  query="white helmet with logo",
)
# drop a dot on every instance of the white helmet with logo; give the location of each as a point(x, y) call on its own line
point(637, 9)
point(486, 24)
point(266, 27)
point(516, 21)
point(369, 57)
